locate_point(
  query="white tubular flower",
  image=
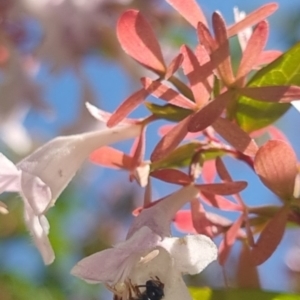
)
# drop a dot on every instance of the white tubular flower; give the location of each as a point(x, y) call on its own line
point(42, 176)
point(149, 253)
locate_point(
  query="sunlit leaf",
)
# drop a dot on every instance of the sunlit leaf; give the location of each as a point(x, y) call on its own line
point(138, 40)
point(181, 156)
point(190, 10)
point(285, 70)
point(222, 58)
point(253, 18)
point(112, 158)
point(126, 107)
point(197, 74)
point(253, 49)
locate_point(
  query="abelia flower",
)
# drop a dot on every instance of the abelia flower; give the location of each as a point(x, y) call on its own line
point(150, 253)
point(43, 175)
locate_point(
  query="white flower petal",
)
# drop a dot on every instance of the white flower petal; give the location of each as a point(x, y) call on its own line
point(159, 217)
point(36, 193)
point(57, 162)
point(39, 228)
point(9, 175)
point(102, 266)
point(191, 253)
point(296, 104)
point(163, 267)
point(113, 265)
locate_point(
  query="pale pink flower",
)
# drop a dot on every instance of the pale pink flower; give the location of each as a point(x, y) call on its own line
point(43, 175)
point(150, 252)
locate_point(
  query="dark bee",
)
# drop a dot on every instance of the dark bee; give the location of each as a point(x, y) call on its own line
point(154, 290)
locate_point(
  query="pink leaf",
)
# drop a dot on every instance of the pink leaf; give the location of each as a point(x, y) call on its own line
point(210, 112)
point(138, 150)
point(222, 171)
point(229, 239)
point(174, 66)
point(171, 140)
point(126, 107)
point(190, 10)
point(226, 188)
point(276, 165)
point(138, 40)
point(266, 57)
point(205, 38)
point(198, 74)
point(270, 237)
point(235, 136)
point(220, 202)
point(253, 49)
point(164, 129)
point(253, 18)
point(112, 158)
point(247, 273)
point(200, 221)
point(159, 90)
point(221, 57)
point(282, 93)
point(172, 176)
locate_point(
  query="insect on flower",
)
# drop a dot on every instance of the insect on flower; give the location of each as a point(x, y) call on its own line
point(154, 290)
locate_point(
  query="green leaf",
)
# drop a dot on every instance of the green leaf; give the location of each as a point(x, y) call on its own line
point(252, 114)
point(238, 294)
point(168, 112)
point(182, 156)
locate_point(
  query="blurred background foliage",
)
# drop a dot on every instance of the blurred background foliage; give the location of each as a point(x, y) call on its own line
point(94, 212)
